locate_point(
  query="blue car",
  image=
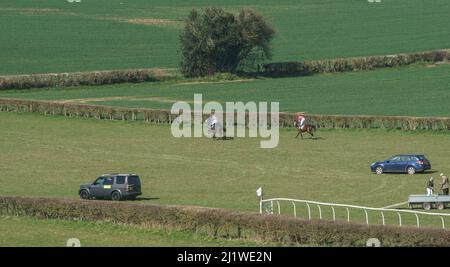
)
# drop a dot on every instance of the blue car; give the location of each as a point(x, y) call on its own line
point(408, 163)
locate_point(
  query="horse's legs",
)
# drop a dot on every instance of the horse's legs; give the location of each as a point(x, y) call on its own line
point(301, 134)
point(297, 134)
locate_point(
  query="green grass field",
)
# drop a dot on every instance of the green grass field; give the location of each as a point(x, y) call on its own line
point(32, 232)
point(52, 156)
point(55, 36)
point(412, 91)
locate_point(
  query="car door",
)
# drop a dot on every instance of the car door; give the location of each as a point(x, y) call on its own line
point(97, 187)
point(108, 186)
point(390, 164)
point(402, 163)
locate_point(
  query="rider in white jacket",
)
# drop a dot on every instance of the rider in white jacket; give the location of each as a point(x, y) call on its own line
point(211, 121)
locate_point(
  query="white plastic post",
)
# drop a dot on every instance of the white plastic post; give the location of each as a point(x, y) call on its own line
point(334, 213)
point(309, 211)
point(417, 219)
point(348, 215)
point(367, 217)
point(443, 224)
point(399, 219)
point(382, 216)
point(295, 209)
point(320, 212)
point(279, 209)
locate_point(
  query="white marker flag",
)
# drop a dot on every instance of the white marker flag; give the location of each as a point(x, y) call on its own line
point(259, 192)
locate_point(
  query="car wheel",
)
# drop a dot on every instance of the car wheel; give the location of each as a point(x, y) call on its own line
point(440, 206)
point(116, 196)
point(411, 170)
point(426, 206)
point(84, 194)
point(379, 170)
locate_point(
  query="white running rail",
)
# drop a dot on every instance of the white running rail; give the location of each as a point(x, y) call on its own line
point(308, 204)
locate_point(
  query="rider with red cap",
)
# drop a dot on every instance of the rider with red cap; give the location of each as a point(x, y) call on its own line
point(300, 120)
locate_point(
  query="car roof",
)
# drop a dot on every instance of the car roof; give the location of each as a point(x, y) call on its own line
point(119, 174)
point(409, 155)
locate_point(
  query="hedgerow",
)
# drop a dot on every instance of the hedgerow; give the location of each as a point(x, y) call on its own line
point(221, 223)
point(165, 116)
point(82, 78)
point(306, 68)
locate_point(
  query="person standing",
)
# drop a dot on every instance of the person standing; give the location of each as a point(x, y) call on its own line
point(444, 184)
point(430, 186)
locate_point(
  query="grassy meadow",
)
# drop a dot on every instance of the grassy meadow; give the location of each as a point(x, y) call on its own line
point(417, 90)
point(52, 156)
point(33, 232)
point(57, 36)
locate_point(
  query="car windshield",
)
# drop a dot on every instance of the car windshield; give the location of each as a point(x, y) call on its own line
point(134, 180)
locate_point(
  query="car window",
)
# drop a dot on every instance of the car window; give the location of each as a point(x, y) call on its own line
point(120, 180)
point(404, 158)
point(134, 180)
point(99, 181)
point(397, 158)
point(108, 181)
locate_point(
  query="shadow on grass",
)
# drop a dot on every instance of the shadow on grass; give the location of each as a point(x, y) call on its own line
point(145, 198)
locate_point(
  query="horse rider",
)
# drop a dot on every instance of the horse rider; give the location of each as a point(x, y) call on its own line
point(300, 120)
point(211, 122)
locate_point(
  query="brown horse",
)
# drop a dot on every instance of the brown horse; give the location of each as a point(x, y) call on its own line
point(306, 129)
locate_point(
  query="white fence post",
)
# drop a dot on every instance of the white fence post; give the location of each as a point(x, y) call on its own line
point(295, 209)
point(347, 207)
point(309, 211)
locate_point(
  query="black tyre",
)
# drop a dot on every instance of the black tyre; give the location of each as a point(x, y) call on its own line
point(426, 206)
point(411, 170)
point(84, 194)
point(116, 196)
point(379, 170)
point(440, 206)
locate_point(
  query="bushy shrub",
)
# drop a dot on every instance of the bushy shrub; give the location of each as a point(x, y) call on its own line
point(218, 41)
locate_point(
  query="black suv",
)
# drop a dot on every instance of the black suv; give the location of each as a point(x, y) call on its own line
point(112, 186)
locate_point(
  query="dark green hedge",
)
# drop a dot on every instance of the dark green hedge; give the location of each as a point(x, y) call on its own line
point(82, 78)
point(305, 68)
point(220, 223)
point(164, 116)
